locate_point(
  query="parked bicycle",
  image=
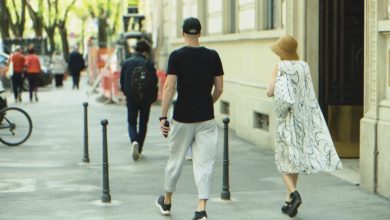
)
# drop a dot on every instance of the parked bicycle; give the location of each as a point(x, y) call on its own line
point(15, 124)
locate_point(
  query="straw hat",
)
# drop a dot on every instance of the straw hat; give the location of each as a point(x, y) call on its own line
point(286, 48)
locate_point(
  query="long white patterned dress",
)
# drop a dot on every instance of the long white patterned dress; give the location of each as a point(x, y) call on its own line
point(303, 141)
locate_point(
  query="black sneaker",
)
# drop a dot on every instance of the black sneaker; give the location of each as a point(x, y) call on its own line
point(165, 209)
point(202, 215)
point(296, 201)
point(286, 207)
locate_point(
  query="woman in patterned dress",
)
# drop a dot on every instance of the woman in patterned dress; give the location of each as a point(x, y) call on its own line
point(303, 142)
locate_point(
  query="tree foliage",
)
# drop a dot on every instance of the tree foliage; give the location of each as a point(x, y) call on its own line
point(63, 29)
point(107, 14)
point(18, 18)
point(36, 14)
point(50, 22)
point(4, 19)
point(48, 18)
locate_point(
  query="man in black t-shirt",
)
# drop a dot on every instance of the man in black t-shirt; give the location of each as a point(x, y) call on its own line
point(194, 70)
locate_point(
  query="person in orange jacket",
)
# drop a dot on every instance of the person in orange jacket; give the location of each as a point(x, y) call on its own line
point(18, 61)
point(33, 67)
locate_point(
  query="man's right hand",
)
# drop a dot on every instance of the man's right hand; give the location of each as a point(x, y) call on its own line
point(164, 125)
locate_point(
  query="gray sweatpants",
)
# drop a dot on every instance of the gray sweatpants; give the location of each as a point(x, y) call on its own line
point(202, 136)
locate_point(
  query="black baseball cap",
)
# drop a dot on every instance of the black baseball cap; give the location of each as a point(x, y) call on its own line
point(191, 25)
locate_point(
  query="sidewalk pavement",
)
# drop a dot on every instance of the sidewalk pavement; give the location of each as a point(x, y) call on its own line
point(45, 179)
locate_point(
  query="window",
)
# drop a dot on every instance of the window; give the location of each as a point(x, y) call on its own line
point(231, 16)
point(225, 108)
point(270, 14)
point(190, 9)
point(275, 14)
point(214, 16)
point(246, 15)
point(261, 121)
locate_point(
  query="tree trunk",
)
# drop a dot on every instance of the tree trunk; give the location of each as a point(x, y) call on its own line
point(37, 19)
point(82, 33)
point(50, 31)
point(4, 20)
point(102, 34)
point(64, 32)
point(23, 19)
point(64, 39)
point(17, 27)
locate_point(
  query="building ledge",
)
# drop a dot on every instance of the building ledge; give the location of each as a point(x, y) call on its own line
point(384, 26)
point(255, 35)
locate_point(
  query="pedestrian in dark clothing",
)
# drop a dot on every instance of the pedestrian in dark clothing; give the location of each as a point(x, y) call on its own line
point(139, 84)
point(75, 65)
point(195, 70)
point(18, 60)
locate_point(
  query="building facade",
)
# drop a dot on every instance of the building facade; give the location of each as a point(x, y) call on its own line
point(345, 42)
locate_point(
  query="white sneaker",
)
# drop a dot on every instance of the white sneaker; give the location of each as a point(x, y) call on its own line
point(135, 147)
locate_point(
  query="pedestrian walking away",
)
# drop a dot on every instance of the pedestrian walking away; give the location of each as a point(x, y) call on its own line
point(18, 61)
point(195, 70)
point(58, 67)
point(303, 142)
point(75, 65)
point(138, 82)
point(33, 67)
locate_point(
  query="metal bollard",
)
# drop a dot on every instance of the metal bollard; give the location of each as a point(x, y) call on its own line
point(225, 195)
point(86, 156)
point(106, 197)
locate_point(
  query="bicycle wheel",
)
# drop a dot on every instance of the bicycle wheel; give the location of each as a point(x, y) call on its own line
point(16, 126)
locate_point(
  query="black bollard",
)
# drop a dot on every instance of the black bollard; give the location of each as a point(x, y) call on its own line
point(106, 197)
point(85, 157)
point(225, 195)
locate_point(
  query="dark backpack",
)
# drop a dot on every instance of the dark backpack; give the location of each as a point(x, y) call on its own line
point(143, 86)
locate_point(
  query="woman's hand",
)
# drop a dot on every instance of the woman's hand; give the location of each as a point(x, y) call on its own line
point(271, 86)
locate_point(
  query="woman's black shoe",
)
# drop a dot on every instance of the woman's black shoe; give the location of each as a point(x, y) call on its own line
point(286, 207)
point(296, 201)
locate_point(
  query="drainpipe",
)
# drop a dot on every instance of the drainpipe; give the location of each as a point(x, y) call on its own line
point(376, 153)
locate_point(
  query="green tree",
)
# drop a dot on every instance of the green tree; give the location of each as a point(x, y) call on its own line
point(17, 27)
point(50, 23)
point(36, 16)
point(83, 14)
point(12, 17)
point(4, 20)
point(102, 10)
point(63, 29)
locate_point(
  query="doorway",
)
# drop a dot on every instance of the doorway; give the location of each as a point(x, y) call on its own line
point(341, 60)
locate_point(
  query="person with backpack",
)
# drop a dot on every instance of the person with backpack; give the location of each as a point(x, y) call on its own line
point(138, 82)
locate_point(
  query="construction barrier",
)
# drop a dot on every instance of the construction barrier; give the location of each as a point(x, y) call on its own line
point(104, 70)
point(162, 76)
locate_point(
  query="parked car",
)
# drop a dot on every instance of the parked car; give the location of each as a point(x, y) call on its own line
point(46, 76)
point(3, 62)
point(6, 83)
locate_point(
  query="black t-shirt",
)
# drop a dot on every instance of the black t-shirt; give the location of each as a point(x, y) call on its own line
point(195, 68)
